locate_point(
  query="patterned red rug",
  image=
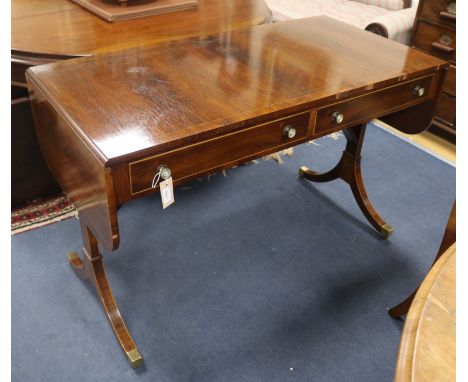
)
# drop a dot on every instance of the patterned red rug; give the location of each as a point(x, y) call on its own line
point(40, 213)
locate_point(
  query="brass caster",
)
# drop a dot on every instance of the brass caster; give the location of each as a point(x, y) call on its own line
point(74, 259)
point(386, 231)
point(134, 358)
point(302, 171)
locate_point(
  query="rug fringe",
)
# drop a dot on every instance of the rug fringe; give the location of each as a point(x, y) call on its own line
point(44, 223)
point(41, 213)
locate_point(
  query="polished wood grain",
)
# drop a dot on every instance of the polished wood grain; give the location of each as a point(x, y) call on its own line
point(237, 147)
point(44, 31)
point(450, 237)
point(107, 123)
point(363, 108)
point(232, 79)
point(62, 29)
point(75, 167)
point(427, 349)
point(113, 12)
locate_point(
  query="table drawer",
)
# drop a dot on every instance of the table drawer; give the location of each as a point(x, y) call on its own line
point(442, 11)
point(362, 109)
point(216, 153)
point(436, 40)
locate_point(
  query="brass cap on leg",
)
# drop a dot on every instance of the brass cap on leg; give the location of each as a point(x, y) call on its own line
point(386, 231)
point(302, 171)
point(134, 358)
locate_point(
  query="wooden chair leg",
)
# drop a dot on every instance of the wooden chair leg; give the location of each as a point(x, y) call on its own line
point(91, 267)
point(449, 238)
point(349, 170)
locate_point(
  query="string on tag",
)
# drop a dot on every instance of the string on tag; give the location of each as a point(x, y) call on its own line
point(155, 181)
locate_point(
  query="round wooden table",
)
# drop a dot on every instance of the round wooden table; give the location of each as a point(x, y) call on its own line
point(427, 347)
point(44, 31)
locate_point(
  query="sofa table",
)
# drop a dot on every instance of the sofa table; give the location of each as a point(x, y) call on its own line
point(111, 126)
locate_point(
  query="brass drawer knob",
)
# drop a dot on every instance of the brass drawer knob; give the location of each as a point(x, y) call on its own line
point(337, 117)
point(165, 172)
point(452, 7)
point(289, 132)
point(419, 91)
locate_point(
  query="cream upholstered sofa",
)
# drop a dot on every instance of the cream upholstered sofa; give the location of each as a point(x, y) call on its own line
point(390, 18)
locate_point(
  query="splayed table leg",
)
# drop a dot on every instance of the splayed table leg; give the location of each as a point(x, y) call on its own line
point(349, 170)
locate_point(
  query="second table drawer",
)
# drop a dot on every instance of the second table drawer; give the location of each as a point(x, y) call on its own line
point(364, 108)
point(225, 150)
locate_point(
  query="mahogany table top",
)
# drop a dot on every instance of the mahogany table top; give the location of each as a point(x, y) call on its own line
point(151, 99)
point(62, 28)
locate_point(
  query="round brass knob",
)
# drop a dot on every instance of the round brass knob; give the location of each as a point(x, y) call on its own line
point(446, 39)
point(289, 132)
point(419, 91)
point(452, 7)
point(337, 117)
point(165, 172)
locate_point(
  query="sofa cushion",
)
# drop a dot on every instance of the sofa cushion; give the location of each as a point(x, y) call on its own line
point(350, 12)
point(398, 25)
point(354, 13)
point(391, 5)
point(297, 9)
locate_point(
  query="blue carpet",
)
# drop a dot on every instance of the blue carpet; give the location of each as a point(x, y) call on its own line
point(257, 276)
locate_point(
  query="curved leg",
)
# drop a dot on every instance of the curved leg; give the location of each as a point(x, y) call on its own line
point(359, 191)
point(306, 173)
point(449, 238)
point(349, 169)
point(91, 267)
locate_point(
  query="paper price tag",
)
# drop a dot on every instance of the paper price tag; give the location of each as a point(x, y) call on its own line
point(167, 192)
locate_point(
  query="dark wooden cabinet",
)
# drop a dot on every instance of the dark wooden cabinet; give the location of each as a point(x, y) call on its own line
point(435, 33)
